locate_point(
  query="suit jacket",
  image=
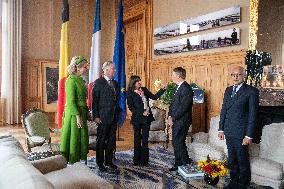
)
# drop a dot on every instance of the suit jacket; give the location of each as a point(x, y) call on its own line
point(181, 106)
point(239, 114)
point(136, 106)
point(105, 101)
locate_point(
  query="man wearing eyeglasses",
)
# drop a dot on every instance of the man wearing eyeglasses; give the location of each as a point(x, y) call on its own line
point(238, 121)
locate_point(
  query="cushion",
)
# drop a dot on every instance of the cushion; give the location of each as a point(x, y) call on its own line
point(81, 177)
point(18, 173)
point(37, 124)
point(159, 116)
point(92, 127)
point(200, 151)
point(37, 139)
point(92, 142)
point(265, 181)
point(49, 164)
point(272, 142)
point(9, 148)
point(213, 133)
point(157, 136)
point(200, 137)
point(267, 168)
point(52, 147)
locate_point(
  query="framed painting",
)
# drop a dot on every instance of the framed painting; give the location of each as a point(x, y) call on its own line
point(216, 19)
point(223, 38)
point(50, 76)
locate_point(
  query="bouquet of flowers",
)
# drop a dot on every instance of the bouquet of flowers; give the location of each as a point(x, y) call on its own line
point(166, 98)
point(213, 168)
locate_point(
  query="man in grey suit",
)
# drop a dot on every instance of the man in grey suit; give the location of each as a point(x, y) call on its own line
point(238, 121)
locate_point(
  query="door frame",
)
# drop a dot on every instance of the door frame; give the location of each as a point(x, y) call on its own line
point(143, 10)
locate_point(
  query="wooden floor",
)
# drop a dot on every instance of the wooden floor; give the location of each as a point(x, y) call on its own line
point(125, 134)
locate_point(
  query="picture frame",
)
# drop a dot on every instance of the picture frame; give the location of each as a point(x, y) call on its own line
point(212, 40)
point(50, 77)
point(211, 20)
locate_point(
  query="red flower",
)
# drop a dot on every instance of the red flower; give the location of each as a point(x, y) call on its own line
point(208, 168)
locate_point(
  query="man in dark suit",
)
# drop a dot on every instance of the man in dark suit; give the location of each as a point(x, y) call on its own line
point(238, 122)
point(105, 110)
point(180, 117)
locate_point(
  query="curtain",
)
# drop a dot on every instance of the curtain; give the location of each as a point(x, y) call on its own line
point(11, 60)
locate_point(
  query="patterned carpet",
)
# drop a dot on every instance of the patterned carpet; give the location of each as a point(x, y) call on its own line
point(136, 177)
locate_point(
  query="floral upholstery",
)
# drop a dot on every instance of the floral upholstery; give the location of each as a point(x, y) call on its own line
point(267, 168)
point(36, 126)
point(92, 131)
point(157, 128)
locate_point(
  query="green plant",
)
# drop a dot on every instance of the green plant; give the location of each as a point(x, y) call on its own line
point(166, 98)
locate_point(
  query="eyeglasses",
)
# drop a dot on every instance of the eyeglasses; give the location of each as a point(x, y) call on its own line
point(236, 75)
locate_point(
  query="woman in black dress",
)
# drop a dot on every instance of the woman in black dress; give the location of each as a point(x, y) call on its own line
point(138, 103)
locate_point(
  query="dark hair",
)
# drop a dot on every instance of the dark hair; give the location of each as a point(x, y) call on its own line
point(180, 72)
point(132, 80)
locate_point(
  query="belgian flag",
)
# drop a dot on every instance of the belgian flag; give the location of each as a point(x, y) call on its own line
point(63, 61)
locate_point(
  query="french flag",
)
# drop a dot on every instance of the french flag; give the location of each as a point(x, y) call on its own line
point(95, 62)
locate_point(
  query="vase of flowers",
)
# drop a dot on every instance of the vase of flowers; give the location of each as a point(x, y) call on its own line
point(210, 180)
point(213, 169)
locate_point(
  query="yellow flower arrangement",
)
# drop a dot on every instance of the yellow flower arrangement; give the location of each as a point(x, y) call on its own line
point(213, 168)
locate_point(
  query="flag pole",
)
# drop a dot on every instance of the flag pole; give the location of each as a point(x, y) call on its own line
point(119, 61)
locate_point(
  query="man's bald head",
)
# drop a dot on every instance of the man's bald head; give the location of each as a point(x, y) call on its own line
point(238, 75)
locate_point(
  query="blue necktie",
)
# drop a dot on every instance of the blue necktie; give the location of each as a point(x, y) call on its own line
point(234, 91)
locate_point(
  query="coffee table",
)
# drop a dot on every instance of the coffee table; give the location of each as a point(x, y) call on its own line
point(190, 183)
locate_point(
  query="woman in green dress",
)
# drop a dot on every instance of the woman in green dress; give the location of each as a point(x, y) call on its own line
point(74, 134)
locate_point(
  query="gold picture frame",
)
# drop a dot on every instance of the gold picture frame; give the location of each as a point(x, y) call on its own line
point(50, 76)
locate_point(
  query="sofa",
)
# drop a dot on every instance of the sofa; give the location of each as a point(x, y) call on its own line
point(205, 144)
point(267, 167)
point(17, 172)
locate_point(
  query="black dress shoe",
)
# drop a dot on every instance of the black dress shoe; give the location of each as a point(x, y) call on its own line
point(102, 168)
point(111, 165)
point(173, 169)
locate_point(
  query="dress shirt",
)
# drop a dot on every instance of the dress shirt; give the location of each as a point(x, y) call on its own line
point(179, 85)
point(107, 78)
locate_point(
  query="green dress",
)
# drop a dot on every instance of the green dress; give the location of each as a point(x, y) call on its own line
point(74, 141)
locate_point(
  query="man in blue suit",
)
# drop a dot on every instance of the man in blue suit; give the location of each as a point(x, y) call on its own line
point(180, 117)
point(238, 121)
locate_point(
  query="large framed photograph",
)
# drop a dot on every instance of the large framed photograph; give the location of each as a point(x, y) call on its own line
point(199, 42)
point(216, 19)
point(50, 76)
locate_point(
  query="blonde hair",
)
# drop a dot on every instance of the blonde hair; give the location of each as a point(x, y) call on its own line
point(72, 67)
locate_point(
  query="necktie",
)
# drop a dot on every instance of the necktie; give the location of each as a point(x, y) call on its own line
point(111, 84)
point(234, 91)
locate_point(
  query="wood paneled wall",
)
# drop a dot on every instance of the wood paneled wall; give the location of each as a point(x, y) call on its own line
point(32, 85)
point(209, 71)
point(42, 25)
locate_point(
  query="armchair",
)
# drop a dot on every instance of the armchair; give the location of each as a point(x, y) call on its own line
point(37, 131)
point(92, 131)
point(268, 167)
point(205, 144)
point(157, 133)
